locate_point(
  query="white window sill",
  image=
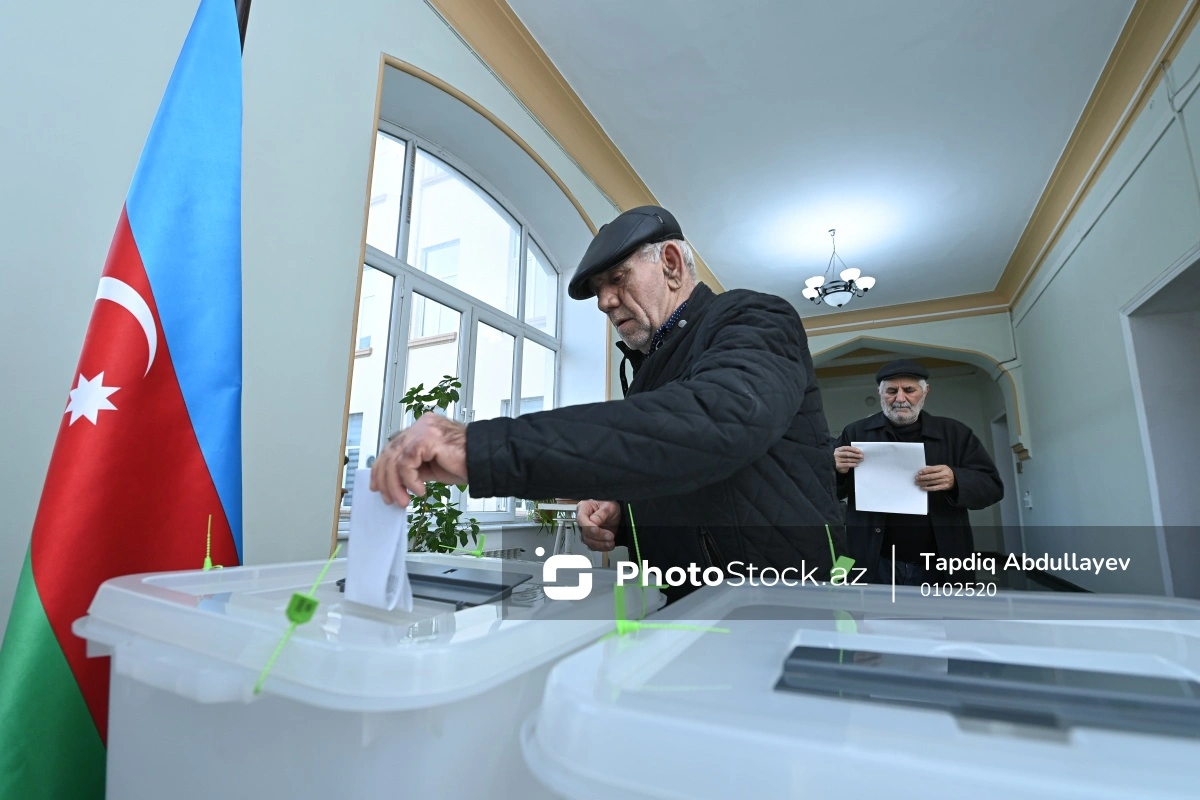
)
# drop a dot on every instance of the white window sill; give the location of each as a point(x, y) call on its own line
point(489, 528)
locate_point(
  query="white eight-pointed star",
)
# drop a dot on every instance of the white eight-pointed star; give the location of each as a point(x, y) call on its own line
point(89, 398)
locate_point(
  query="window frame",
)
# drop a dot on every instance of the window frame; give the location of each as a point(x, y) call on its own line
point(410, 280)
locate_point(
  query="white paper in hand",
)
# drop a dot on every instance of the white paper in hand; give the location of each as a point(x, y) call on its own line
point(886, 480)
point(375, 571)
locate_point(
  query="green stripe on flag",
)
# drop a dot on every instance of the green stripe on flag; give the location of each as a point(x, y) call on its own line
point(49, 746)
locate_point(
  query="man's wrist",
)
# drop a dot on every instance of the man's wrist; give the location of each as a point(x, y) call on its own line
point(456, 434)
point(952, 492)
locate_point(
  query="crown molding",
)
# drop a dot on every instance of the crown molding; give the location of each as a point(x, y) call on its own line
point(967, 305)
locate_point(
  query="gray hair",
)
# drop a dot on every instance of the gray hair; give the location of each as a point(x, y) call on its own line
point(653, 254)
point(922, 383)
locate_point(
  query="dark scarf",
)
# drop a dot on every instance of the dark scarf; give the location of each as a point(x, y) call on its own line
point(636, 357)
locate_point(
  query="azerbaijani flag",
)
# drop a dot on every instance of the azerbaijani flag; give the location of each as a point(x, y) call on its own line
point(150, 440)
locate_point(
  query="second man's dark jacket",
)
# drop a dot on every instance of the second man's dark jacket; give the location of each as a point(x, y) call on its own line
point(976, 485)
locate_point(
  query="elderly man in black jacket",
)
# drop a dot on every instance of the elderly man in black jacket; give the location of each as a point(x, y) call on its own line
point(960, 476)
point(719, 452)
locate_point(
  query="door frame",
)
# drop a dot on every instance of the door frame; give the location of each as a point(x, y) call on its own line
point(1008, 469)
point(1185, 262)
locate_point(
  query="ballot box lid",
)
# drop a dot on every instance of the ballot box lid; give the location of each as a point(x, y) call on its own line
point(847, 691)
point(209, 634)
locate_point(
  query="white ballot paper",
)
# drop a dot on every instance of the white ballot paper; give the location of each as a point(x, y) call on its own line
point(375, 571)
point(886, 480)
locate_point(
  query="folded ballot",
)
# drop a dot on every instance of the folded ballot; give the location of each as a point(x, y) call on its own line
point(375, 571)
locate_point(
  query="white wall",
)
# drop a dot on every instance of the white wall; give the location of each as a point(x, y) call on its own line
point(1088, 479)
point(83, 81)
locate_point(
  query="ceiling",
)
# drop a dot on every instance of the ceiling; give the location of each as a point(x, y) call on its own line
point(924, 131)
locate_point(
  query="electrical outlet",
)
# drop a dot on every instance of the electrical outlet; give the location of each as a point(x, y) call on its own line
point(1028, 500)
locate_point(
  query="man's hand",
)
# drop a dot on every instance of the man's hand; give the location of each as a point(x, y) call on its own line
point(846, 458)
point(935, 479)
point(598, 522)
point(433, 449)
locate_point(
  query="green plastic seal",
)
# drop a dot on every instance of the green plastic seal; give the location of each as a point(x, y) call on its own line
point(301, 607)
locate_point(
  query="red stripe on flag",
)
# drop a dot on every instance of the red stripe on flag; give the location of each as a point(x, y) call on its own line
point(129, 492)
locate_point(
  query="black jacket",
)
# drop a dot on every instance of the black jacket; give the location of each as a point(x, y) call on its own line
point(720, 449)
point(947, 441)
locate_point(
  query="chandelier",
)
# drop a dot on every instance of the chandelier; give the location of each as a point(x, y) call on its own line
point(851, 282)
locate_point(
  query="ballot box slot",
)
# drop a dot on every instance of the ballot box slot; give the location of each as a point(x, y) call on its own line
point(461, 587)
point(1002, 692)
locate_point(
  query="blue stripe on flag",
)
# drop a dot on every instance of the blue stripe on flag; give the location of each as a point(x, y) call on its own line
point(184, 208)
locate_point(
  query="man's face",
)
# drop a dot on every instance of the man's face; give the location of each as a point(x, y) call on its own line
point(902, 399)
point(633, 295)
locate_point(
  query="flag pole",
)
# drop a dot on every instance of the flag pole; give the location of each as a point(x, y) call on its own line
point(243, 18)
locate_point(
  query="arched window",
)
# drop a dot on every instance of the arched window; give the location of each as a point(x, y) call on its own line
point(454, 283)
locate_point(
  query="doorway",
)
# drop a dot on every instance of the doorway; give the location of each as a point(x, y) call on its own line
point(1162, 327)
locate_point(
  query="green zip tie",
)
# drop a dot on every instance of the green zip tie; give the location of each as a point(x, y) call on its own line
point(845, 624)
point(638, 551)
point(636, 547)
point(300, 609)
point(625, 625)
point(477, 552)
point(208, 564)
point(629, 626)
point(844, 563)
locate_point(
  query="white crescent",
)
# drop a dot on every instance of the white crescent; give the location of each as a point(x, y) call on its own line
point(124, 295)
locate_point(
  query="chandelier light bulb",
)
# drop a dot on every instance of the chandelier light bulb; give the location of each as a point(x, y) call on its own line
point(850, 273)
point(815, 281)
point(865, 283)
point(810, 293)
point(839, 298)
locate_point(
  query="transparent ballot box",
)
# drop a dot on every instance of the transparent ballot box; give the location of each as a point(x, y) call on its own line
point(845, 692)
point(360, 702)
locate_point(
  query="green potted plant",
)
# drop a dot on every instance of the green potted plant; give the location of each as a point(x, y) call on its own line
point(545, 519)
point(435, 524)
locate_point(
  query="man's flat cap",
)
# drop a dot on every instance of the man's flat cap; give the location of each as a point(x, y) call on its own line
point(618, 240)
point(895, 369)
